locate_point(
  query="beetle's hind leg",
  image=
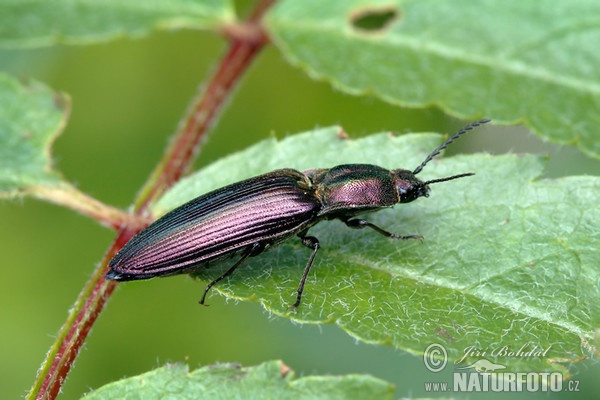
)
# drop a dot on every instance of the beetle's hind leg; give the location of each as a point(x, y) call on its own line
point(250, 251)
point(313, 243)
point(357, 223)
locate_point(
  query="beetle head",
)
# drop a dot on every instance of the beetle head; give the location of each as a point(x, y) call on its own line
point(410, 187)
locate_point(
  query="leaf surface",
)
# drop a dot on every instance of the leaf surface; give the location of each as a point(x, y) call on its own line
point(534, 62)
point(42, 23)
point(507, 259)
point(230, 381)
point(31, 117)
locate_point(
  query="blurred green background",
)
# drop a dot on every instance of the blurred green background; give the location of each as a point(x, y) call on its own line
point(128, 96)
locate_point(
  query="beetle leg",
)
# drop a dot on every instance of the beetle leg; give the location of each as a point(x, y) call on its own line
point(250, 250)
point(313, 243)
point(357, 223)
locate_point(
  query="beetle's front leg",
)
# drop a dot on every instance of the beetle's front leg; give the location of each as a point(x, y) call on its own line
point(357, 223)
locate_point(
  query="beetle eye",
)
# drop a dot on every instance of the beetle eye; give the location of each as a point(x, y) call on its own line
point(403, 187)
point(412, 192)
point(408, 186)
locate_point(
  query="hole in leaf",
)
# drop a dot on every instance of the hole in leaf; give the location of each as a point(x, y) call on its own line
point(373, 20)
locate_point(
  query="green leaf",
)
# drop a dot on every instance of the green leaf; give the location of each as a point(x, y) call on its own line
point(230, 381)
point(534, 62)
point(31, 117)
point(43, 23)
point(507, 259)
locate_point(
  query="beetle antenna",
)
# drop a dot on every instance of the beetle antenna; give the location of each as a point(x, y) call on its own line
point(449, 178)
point(444, 145)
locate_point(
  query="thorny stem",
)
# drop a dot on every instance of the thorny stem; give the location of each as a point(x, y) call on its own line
point(176, 160)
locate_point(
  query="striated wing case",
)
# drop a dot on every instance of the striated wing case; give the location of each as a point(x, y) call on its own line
point(266, 209)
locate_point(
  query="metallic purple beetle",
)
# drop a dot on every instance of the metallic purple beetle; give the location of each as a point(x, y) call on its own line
point(253, 215)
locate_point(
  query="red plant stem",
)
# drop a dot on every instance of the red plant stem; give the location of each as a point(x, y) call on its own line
point(175, 162)
point(183, 148)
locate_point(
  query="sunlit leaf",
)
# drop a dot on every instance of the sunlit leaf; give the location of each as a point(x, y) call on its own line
point(506, 258)
point(534, 62)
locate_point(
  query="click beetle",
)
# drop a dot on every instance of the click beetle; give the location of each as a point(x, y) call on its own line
point(250, 216)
